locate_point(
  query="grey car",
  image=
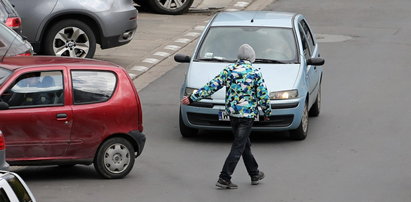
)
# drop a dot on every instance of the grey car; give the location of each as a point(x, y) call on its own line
point(9, 16)
point(73, 28)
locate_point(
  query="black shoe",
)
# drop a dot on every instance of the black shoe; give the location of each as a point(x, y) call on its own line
point(224, 184)
point(256, 179)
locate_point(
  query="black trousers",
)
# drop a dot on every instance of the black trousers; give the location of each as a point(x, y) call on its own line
point(241, 147)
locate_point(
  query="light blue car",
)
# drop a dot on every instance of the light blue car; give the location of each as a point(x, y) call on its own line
point(287, 54)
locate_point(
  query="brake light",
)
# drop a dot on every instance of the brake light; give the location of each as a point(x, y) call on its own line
point(2, 142)
point(25, 54)
point(13, 22)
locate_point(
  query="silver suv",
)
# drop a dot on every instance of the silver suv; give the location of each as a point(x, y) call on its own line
point(73, 28)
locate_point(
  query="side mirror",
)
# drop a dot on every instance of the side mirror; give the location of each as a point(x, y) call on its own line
point(182, 58)
point(3, 105)
point(315, 61)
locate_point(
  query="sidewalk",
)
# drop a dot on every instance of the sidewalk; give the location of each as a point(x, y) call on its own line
point(159, 37)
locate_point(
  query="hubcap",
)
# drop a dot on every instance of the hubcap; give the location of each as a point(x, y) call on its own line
point(172, 4)
point(116, 158)
point(71, 41)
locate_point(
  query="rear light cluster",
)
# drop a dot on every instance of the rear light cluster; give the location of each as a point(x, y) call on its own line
point(13, 22)
point(25, 54)
point(2, 142)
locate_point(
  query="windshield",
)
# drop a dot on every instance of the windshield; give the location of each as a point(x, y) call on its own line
point(4, 73)
point(271, 44)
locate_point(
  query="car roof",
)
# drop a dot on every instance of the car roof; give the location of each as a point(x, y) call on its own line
point(16, 62)
point(254, 18)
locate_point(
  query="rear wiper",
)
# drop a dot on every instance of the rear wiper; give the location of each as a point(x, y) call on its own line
point(215, 59)
point(260, 60)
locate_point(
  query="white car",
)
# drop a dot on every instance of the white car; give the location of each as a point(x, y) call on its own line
point(287, 55)
point(14, 189)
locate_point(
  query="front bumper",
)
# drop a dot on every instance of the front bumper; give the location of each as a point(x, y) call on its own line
point(285, 115)
point(139, 141)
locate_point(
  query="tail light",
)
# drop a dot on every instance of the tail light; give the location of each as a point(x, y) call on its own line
point(13, 22)
point(25, 54)
point(2, 142)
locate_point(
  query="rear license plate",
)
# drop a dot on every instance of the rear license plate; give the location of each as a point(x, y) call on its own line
point(223, 116)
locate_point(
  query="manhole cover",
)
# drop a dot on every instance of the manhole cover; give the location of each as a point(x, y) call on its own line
point(331, 38)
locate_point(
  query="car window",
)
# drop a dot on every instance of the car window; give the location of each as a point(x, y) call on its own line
point(92, 86)
point(308, 34)
point(4, 73)
point(36, 89)
point(268, 42)
point(305, 46)
point(3, 12)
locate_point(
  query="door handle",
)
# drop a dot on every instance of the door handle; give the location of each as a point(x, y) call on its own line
point(61, 116)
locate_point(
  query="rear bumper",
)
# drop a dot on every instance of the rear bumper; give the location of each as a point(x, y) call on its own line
point(286, 115)
point(139, 140)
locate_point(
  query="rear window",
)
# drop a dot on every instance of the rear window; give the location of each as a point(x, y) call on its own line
point(92, 86)
point(4, 73)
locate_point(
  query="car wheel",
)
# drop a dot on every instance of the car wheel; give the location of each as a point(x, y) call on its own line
point(315, 109)
point(115, 158)
point(173, 7)
point(71, 38)
point(301, 132)
point(185, 130)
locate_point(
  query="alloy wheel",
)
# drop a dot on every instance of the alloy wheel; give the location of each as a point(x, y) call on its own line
point(172, 4)
point(71, 41)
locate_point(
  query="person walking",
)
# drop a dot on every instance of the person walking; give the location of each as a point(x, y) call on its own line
point(245, 91)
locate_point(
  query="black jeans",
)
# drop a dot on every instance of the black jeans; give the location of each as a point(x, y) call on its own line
point(241, 147)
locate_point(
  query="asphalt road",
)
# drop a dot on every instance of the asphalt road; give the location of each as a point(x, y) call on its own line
point(357, 149)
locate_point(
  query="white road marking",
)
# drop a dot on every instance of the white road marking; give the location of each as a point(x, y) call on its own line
point(199, 27)
point(182, 40)
point(151, 60)
point(162, 54)
point(172, 47)
point(139, 68)
point(241, 4)
point(193, 34)
point(231, 9)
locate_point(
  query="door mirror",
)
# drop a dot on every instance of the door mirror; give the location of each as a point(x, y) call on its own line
point(315, 61)
point(3, 105)
point(182, 58)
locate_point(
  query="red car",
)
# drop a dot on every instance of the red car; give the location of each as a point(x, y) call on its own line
point(67, 111)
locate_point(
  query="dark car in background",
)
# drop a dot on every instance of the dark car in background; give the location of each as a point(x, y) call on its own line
point(74, 28)
point(12, 44)
point(67, 111)
point(173, 7)
point(9, 16)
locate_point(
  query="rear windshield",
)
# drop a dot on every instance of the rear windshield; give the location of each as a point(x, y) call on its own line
point(4, 73)
point(269, 43)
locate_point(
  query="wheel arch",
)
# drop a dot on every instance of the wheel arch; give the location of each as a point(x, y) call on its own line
point(85, 18)
point(136, 147)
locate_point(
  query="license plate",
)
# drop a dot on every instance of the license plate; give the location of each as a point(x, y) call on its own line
point(223, 116)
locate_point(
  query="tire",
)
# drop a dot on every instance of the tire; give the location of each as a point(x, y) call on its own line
point(115, 158)
point(176, 7)
point(316, 108)
point(185, 130)
point(61, 41)
point(301, 132)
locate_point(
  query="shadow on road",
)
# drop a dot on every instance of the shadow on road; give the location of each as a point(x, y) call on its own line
point(41, 173)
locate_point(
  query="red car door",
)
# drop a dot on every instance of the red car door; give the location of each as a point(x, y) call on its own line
point(38, 123)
